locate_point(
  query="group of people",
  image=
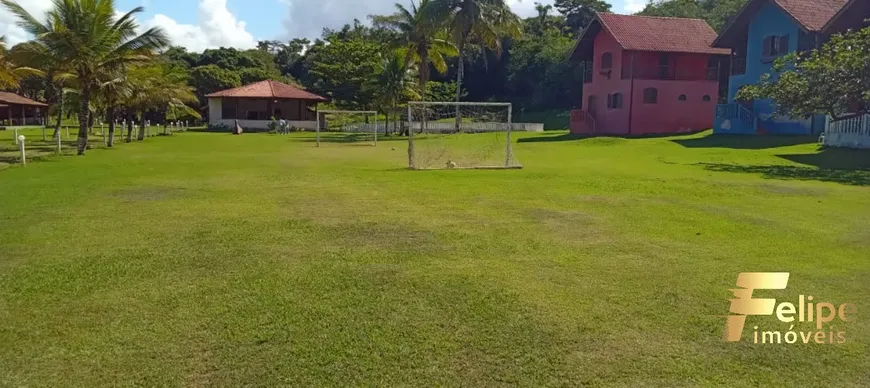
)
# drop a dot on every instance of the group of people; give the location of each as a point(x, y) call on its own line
point(282, 126)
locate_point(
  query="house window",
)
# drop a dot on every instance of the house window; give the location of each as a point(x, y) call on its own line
point(664, 66)
point(773, 47)
point(614, 101)
point(707, 98)
point(228, 109)
point(650, 96)
point(682, 97)
point(606, 61)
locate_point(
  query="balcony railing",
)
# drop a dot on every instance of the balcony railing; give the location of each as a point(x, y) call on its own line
point(670, 73)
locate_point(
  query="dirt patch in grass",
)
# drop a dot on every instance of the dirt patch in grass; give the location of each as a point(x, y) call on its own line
point(155, 193)
point(569, 217)
point(574, 227)
point(792, 190)
point(859, 237)
point(736, 216)
point(373, 235)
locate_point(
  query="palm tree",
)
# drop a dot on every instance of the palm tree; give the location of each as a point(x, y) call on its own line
point(41, 61)
point(161, 87)
point(423, 39)
point(7, 76)
point(394, 82)
point(113, 89)
point(483, 22)
point(91, 40)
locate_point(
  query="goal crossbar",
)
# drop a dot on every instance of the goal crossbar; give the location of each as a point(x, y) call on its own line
point(454, 103)
point(350, 112)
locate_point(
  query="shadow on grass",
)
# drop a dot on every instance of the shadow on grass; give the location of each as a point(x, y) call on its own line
point(844, 166)
point(548, 139)
point(571, 136)
point(834, 159)
point(745, 142)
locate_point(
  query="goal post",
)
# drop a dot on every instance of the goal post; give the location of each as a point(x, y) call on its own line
point(348, 126)
point(460, 135)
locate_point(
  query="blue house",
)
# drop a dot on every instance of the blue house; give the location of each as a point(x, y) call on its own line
point(763, 31)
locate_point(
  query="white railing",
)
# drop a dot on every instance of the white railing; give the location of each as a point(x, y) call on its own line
point(447, 127)
point(853, 132)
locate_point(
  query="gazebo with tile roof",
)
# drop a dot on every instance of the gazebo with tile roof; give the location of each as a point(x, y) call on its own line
point(254, 105)
point(17, 110)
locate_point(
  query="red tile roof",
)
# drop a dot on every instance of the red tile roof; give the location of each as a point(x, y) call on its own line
point(812, 14)
point(648, 33)
point(268, 89)
point(14, 99)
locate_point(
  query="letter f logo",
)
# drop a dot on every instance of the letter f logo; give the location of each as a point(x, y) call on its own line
point(744, 304)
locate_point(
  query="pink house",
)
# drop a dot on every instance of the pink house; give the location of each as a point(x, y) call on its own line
point(648, 75)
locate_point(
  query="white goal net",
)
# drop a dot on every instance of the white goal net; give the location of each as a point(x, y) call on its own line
point(342, 126)
point(463, 135)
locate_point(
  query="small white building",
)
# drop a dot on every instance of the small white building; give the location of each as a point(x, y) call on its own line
point(254, 106)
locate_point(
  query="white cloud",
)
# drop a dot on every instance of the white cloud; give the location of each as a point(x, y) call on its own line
point(217, 27)
point(8, 27)
point(634, 6)
point(307, 18)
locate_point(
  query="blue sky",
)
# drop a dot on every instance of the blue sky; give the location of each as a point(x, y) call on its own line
point(200, 24)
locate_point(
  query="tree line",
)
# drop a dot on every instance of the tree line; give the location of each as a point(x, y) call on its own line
point(90, 63)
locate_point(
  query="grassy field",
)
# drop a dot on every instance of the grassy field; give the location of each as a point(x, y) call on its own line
point(209, 259)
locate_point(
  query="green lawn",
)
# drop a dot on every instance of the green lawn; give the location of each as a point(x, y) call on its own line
point(207, 259)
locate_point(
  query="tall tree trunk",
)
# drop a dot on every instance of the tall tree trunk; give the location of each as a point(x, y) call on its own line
point(129, 127)
point(141, 128)
point(424, 79)
point(84, 109)
point(59, 115)
point(110, 115)
point(386, 123)
point(90, 122)
point(460, 72)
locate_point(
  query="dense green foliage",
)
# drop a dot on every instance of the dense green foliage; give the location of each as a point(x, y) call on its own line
point(716, 12)
point(92, 42)
point(342, 71)
point(476, 48)
point(834, 80)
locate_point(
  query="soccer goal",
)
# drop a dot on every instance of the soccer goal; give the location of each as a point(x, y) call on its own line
point(346, 126)
point(460, 135)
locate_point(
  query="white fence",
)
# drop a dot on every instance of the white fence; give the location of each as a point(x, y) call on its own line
point(447, 127)
point(853, 132)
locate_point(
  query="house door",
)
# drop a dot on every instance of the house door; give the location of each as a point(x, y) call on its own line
point(593, 106)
